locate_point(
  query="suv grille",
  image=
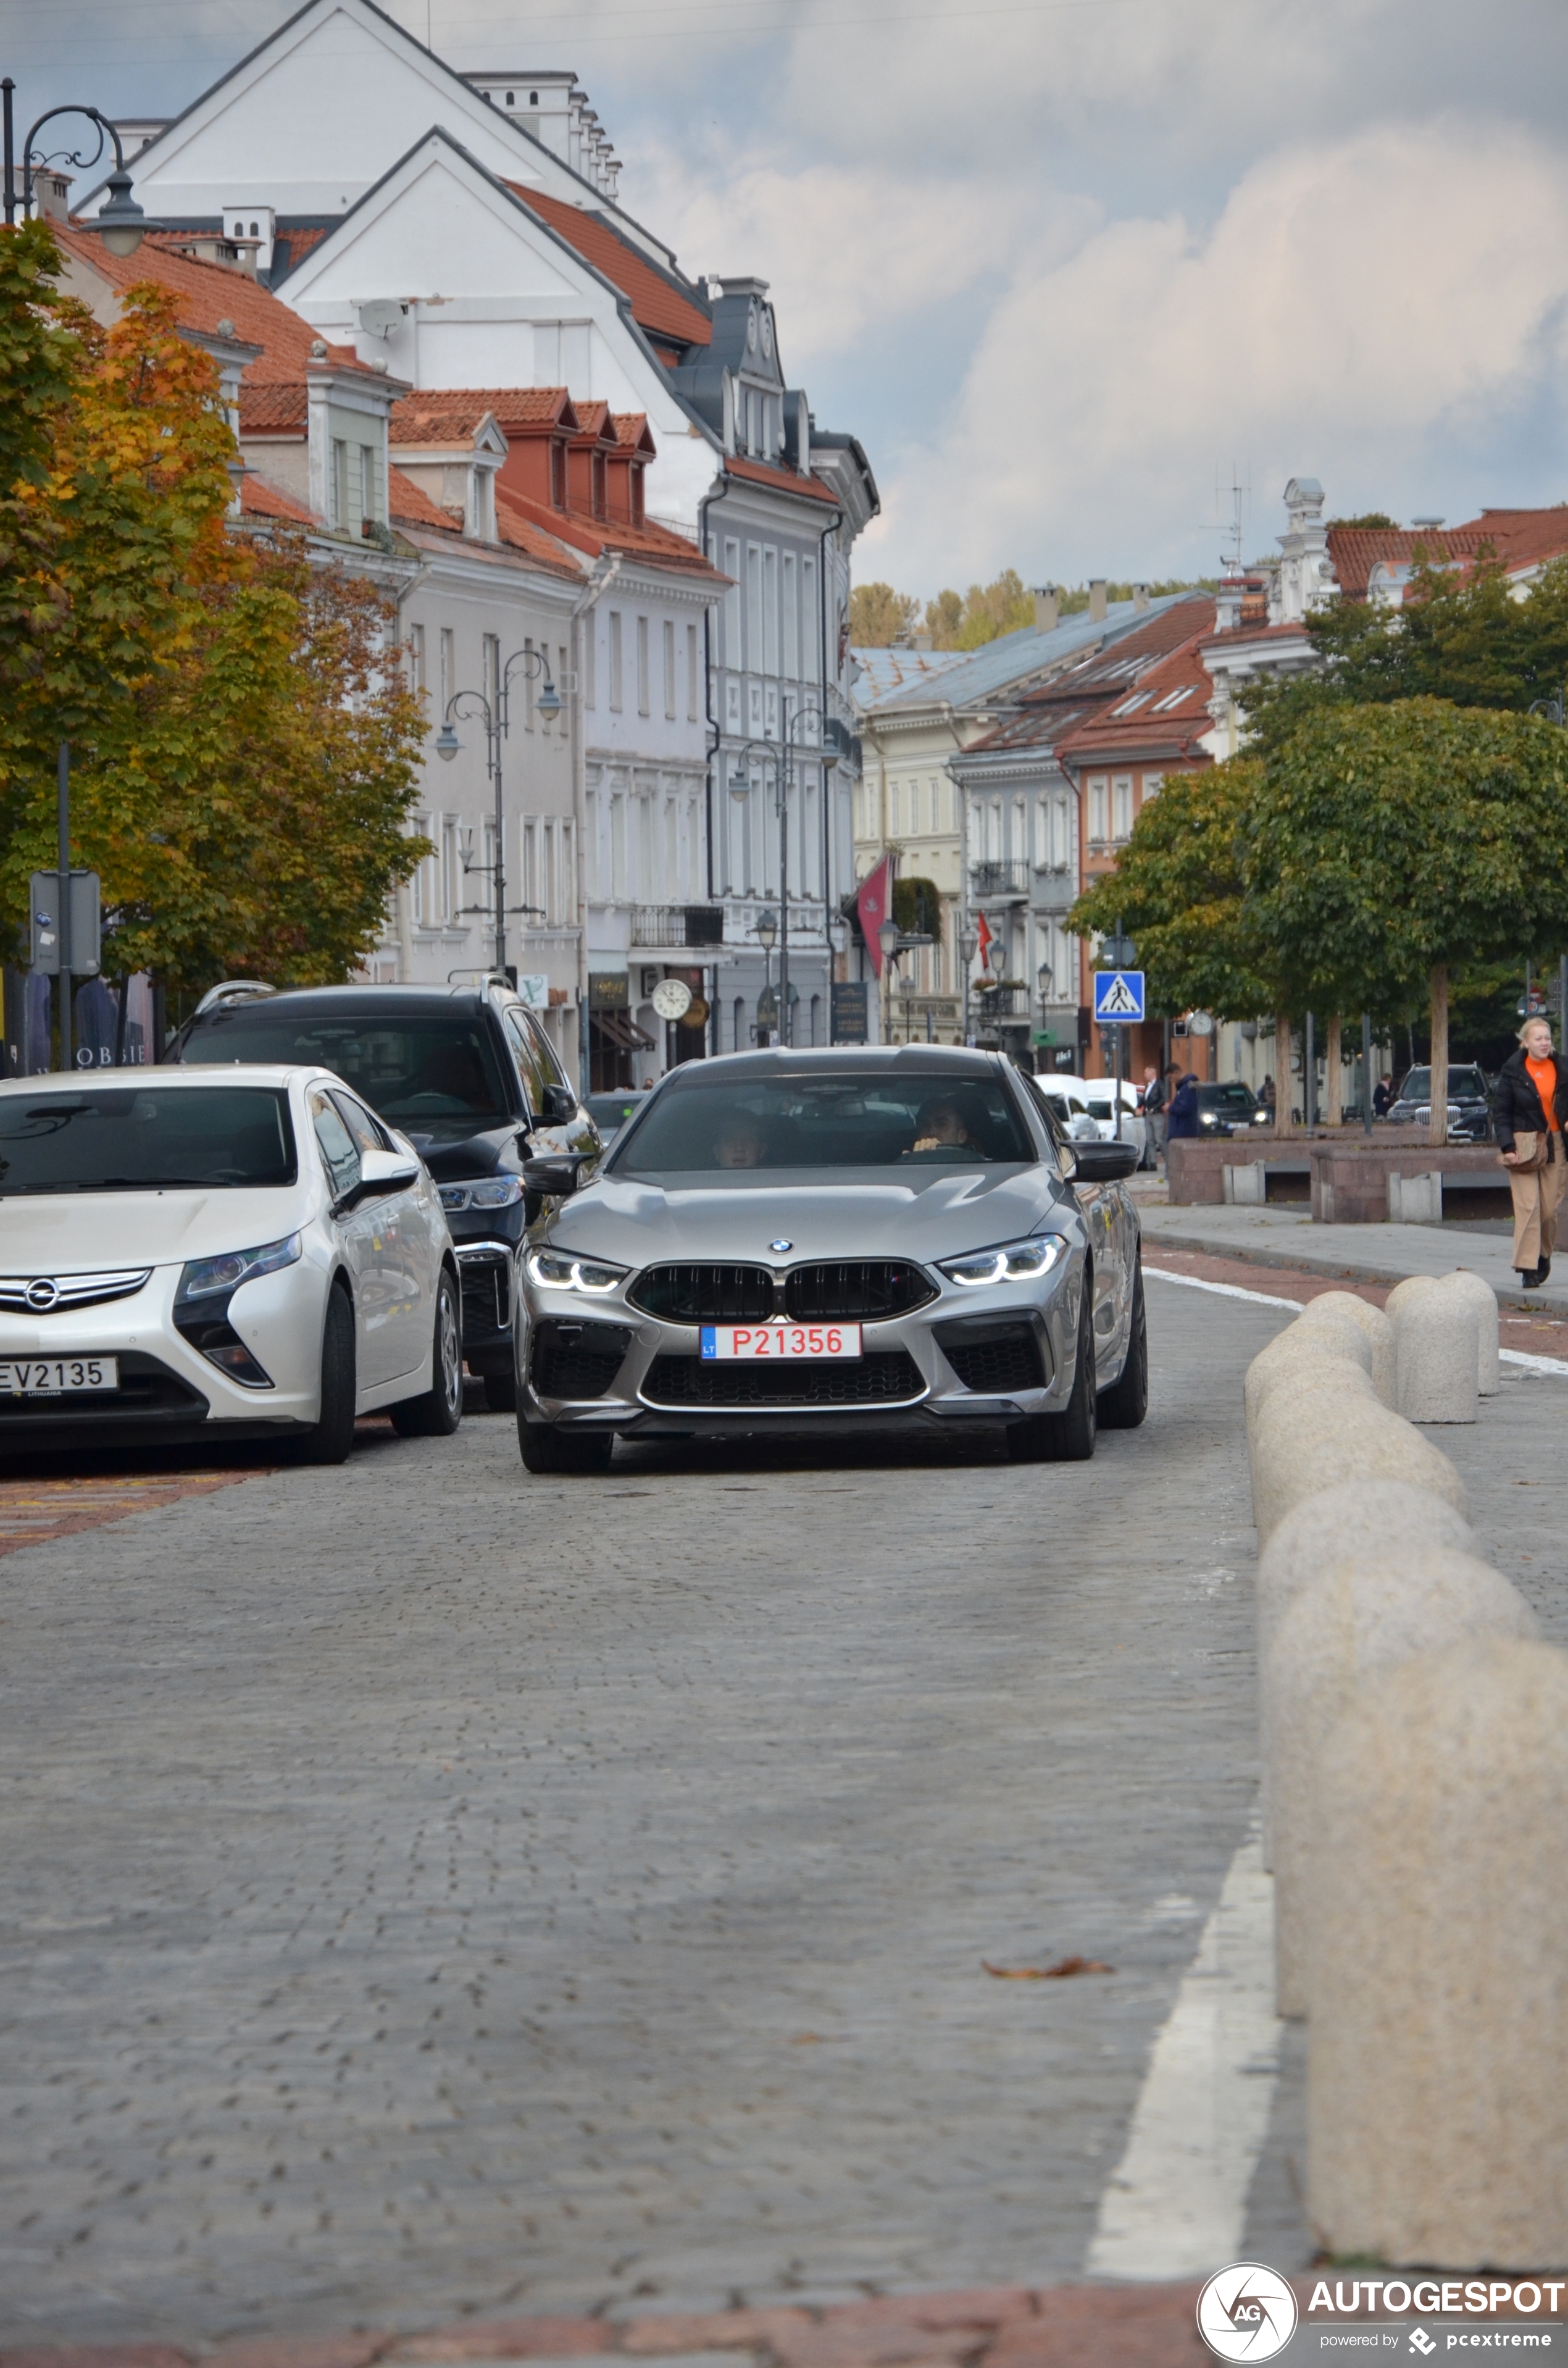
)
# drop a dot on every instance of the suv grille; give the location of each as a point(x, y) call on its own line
point(861, 1287)
point(705, 1295)
point(577, 1361)
point(893, 1380)
point(857, 1287)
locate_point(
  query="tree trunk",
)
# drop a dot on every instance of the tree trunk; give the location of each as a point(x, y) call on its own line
point(1334, 1097)
point(1283, 1087)
point(1438, 1130)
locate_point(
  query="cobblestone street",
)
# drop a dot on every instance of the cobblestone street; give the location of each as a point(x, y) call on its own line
point(433, 1891)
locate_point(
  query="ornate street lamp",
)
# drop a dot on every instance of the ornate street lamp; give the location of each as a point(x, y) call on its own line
point(495, 717)
point(119, 221)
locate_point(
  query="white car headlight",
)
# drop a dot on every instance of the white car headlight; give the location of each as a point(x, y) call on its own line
point(1012, 1262)
point(201, 1278)
point(569, 1271)
point(494, 1192)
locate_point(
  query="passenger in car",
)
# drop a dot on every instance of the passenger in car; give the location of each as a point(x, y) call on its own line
point(941, 1128)
point(741, 1143)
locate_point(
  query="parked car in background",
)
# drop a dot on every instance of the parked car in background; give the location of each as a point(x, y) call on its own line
point(470, 1077)
point(1470, 1106)
point(1096, 1095)
point(1064, 1098)
point(281, 1263)
point(822, 1242)
point(609, 1113)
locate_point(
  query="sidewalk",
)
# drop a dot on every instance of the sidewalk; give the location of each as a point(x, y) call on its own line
point(1386, 1254)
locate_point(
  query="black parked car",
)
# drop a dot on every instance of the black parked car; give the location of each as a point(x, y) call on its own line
point(467, 1073)
point(1230, 1109)
point(1469, 1111)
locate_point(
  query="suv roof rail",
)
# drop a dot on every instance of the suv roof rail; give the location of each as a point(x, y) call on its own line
point(232, 990)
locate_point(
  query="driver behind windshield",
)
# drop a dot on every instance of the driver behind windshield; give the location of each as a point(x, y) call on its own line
point(940, 1131)
point(740, 1143)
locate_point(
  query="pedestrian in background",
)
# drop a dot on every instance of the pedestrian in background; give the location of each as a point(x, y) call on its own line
point(1530, 1107)
point(1156, 1094)
point(1265, 1095)
point(1383, 1097)
point(1181, 1118)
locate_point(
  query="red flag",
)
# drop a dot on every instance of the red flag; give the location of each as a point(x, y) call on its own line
point(983, 931)
point(873, 905)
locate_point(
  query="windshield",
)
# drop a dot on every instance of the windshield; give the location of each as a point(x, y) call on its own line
point(844, 1120)
point(142, 1138)
point(1417, 1086)
point(432, 1074)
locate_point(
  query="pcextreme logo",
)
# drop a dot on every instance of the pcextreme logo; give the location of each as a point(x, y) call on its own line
point(1246, 2312)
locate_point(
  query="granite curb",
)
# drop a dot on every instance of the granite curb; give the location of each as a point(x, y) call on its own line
point(1330, 1264)
point(1009, 2327)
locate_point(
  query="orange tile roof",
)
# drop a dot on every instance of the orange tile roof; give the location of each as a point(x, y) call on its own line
point(1134, 720)
point(593, 424)
point(516, 528)
point(632, 432)
point(273, 409)
point(453, 416)
point(1524, 538)
point(758, 473)
point(655, 305)
point(409, 505)
point(656, 546)
point(258, 499)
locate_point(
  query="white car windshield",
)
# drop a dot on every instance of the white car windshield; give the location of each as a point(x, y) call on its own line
point(145, 1138)
point(873, 1120)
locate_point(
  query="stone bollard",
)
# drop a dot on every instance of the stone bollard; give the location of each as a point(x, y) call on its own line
point(1405, 1293)
point(1437, 1357)
point(1462, 1284)
point(1342, 1524)
point(1349, 1626)
point(1296, 1354)
point(1342, 1307)
point(1317, 1438)
point(1325, 1383)
point(1437, 1966)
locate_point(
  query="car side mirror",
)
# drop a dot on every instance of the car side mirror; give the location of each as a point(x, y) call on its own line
point(387, 1171)
point(556, 1176)
point(1103, 1163)
point(560, 1106)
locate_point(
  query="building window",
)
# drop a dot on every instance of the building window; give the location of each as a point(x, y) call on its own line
point(895, 808)
point(416, 657)
point(451, 870)
point(615, 661)
point(754, 658)
point(490, 662)
point(1122, 807)
point(791, 618)
point(692, 710)
point(590, 660)
point(669, 671)
point(370, 502)
point(448, 666)
point(339, 483)
point(1153, 784)
point(1099, 810)
point(642, 701)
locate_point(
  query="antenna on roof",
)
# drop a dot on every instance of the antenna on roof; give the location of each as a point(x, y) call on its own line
point(1241, 506)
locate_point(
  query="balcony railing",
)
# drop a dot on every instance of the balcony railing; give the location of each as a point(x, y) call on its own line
point(678, 925)
point(999, 880)
point(1056, 890)
point(1002, 1002)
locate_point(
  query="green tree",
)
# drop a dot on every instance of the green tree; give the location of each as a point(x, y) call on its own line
point(243, 747)
point(879, 616)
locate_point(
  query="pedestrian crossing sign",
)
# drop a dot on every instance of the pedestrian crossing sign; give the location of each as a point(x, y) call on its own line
point(1119, 997)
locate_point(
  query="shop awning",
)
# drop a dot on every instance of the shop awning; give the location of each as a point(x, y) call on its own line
point(621, 1030)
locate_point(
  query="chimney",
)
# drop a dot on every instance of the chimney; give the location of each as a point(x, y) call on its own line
point(1047, 607)
point(1097, 599)
point(922, 641)
point(51, 194)
point(1140, 598)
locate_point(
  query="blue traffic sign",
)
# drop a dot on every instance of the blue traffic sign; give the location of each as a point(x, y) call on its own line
point(1118, 997)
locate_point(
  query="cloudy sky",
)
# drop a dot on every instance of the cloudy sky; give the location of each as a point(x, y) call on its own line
point(1065, 266)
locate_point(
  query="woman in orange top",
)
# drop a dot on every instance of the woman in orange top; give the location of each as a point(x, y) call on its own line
point(1530, 1100)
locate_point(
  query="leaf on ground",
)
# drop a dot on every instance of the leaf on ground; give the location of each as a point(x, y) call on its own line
point(1062, 1971)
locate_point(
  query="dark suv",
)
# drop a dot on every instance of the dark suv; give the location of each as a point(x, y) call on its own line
point(1470, 1110)
point(470, 1077)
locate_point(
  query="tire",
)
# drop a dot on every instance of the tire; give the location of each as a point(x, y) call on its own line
point(436, 1413)
point(1068, 1437)
point(501, 1392)
point(545, 1448)
point(1125, 1404)
point(331, 1436)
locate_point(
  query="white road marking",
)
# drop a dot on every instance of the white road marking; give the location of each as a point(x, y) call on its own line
point(1176, 2206)
point(1267, 1299)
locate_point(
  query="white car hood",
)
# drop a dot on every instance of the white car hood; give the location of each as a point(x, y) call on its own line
point(79, 1233)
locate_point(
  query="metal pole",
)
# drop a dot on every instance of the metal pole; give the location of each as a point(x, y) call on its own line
point(1116, 1071)
point(6, 88)
point(782, 785)
point(499, 876)
point(67, 1060)
point(1366, 1073)
point(1309, 1074)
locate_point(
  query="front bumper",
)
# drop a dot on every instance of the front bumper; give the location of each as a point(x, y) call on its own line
point(997, 1355)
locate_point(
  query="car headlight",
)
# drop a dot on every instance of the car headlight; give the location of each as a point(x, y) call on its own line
point(1013, 1262)
point(569, 1271)
point(201, 1278)
point(495, 1192)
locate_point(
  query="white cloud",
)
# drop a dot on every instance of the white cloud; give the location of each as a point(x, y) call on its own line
point(1353, 307)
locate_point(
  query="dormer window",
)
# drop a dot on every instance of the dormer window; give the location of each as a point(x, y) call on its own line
point(600, 478)
point(557, 474)
point(639, 499)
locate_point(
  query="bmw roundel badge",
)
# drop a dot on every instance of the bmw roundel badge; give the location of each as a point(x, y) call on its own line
point(780, 1246)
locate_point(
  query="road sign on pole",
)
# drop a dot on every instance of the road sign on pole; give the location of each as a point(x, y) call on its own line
point(83, 936)
point(1118, 997)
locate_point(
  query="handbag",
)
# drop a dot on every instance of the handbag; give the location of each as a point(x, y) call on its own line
point(1531, 1151)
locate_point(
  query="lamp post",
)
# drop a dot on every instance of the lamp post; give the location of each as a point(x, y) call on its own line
point(119, 223)
point(495, 717)
point(1044, 977)
point(766, 929)
point(775, 753)
point(888, 937)
point(969, 946)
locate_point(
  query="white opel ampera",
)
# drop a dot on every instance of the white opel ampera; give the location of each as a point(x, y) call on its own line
point(184, 1251)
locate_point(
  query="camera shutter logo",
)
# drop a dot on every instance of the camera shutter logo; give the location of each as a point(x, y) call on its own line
point(42, 1294)
point(1246, 2312)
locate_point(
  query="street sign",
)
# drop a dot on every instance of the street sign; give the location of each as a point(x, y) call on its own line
point(1118, 997)
point(83, 949)
point(533, 986)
